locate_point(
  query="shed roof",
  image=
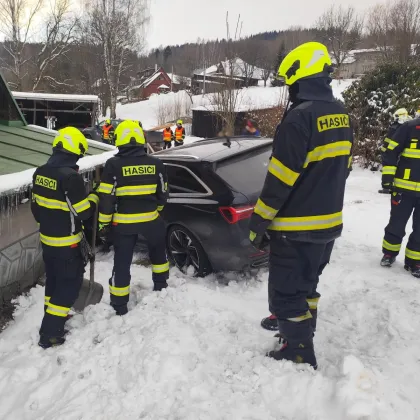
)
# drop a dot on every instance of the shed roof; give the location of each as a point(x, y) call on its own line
point(56, 97)
point(28, 147)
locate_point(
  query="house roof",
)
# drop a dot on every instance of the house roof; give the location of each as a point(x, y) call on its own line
point(236, 67)
point(56, 97)
point(178, 79)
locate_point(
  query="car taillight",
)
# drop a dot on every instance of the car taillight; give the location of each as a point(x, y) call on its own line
point(233, 214)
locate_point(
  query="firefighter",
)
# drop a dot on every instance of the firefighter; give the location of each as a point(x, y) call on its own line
point(302, 199)
point(60, 205)
point(179, 133)
point(107, 131)
point(133, 191)
point(168, 136)
point(401, 174)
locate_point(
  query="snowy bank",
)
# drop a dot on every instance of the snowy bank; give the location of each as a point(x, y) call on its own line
point(196, 350)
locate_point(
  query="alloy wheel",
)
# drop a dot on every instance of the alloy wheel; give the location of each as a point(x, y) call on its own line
point(183, 252)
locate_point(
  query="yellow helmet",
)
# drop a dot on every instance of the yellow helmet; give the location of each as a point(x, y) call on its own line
point(108, 121)
point(401, 115)
point(129, 133)
point(306, 61)
point(71, 140)
point(417, 114)
point(180, 122)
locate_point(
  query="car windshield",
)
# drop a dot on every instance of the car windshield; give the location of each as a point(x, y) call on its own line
point(246, 173)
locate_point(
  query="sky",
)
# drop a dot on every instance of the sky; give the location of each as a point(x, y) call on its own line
point(179, 21)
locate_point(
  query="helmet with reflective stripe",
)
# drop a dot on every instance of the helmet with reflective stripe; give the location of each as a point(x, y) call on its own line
point(129, 133)
point(71, 140)
point(309, 60)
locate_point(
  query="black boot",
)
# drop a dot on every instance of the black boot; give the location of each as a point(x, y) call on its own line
point(120, 310)
point(159, 286)
point(413, 269)
point(387, 260)
point(297, 343)
point(270, 323)
point(46, 341)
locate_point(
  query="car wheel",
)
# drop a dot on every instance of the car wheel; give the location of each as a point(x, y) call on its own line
point(88, 136)
point(185, 251)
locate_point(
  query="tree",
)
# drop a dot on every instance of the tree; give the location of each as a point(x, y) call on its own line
point(60, 34)
point(281, 54)
point(395, 28)
point(341, 30)
point(16, 23)
point(117, 27)
point(157, 55)
point(167, 53)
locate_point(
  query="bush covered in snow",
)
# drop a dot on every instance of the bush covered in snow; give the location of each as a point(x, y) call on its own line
point(374, 98)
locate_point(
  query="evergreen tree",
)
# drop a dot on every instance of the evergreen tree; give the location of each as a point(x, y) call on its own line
point(167, 53)
point(279, 59)
point(157, 54)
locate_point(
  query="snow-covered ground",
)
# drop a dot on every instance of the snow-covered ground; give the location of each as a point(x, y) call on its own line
point(196, 350)
point(174, 105)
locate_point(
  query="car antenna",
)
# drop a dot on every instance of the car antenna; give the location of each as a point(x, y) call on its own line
point(227, 143)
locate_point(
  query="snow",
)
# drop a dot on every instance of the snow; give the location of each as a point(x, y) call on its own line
point(56, 97)
point(258, 97)
point(235, 67)
point(179, 79)
point(196, 350)
point(164, 87)
point(17, 180)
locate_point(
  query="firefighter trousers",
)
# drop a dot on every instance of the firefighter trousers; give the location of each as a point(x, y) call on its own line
point(294, 270)
point(167, 145)
point(402, 207)
point(64, 270)
point(155, 234)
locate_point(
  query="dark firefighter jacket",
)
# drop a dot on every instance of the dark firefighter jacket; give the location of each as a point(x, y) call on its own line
point(59, 201)
point(401, 159)
point(391, 131)
point(133, 190)
point(303, 193)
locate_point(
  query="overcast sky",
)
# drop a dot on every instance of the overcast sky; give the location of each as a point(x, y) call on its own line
point(179, 21)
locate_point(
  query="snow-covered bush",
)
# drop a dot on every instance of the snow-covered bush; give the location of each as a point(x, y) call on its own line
point(372, 100)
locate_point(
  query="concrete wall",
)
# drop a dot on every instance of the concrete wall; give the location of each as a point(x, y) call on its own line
point(21, 262)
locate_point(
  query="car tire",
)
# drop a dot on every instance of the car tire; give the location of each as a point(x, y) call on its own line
point(185, 250)
point(88, 136)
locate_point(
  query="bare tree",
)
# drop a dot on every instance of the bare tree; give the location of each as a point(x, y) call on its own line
point(341, 30)
point(117, 27)
point(59, 37)
point(395, 28)
point(16, 23)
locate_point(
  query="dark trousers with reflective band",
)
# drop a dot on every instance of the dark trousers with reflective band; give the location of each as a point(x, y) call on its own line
point(155, 235)
point(402, 206)
point(293, 279)
point(64, 270)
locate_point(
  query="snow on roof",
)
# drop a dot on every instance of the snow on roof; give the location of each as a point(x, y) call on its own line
point(59, 97)
point(236, 67)
point(178, 79)
point(18, 180)
point(164, 87)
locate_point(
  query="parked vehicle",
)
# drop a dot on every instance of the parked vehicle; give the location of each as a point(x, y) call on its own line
point(214, 185)
point(95, 133)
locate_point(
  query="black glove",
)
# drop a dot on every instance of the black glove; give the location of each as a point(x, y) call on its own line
point(259, 241)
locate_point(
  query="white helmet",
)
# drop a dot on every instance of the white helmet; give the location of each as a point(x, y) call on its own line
point(401, 115)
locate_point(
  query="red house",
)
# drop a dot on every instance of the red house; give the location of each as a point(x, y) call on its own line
point(150, 81)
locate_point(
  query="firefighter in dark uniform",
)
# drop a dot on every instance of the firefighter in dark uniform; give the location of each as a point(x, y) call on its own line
point(132, 192)
point(400, 117)
point(302, 199)
point(60, 205)
point(401, 174)
point(179, 133)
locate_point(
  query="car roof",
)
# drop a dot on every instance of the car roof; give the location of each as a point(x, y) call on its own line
point(213, 150)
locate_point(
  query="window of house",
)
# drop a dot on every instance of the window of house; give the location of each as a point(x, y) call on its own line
point(181, 180)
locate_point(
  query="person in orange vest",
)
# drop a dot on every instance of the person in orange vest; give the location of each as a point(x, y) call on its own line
point(168, 136)
point(106, 131)
point(179, 133)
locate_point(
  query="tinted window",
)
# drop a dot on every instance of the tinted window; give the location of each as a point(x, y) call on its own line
point(182, 181)
point(246, 173)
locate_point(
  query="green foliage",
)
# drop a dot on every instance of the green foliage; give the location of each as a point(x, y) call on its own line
point(372, 100)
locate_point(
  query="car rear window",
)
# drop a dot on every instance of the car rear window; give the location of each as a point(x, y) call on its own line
point(246, 173)
point(182, 181)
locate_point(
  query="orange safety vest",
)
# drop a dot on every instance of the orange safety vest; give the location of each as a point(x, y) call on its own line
point(167, 135)
point(106, 130)
point(179, 134)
